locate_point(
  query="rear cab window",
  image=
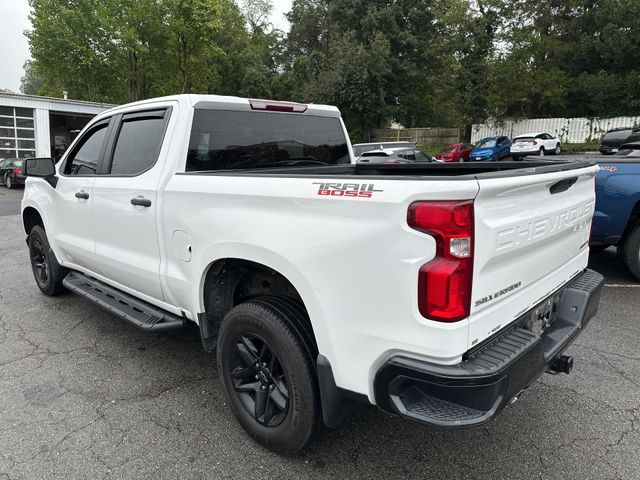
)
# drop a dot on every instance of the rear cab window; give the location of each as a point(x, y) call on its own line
point(233, 140)
point(138, 142)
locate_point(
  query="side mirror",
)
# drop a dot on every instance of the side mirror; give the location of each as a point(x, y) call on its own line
point(39, 167)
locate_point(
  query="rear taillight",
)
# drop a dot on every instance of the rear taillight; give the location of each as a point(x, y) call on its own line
point(533, 142)
point(17, 171)
point(444, 284)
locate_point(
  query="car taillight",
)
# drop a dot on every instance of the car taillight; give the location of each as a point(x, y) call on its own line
point(444, 283)
point(17, 171)
point(533, 142)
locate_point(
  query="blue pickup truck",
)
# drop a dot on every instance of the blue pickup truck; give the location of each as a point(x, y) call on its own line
point(617, 216)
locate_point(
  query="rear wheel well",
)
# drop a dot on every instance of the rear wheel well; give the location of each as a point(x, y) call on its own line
point(230, 282)
point(634, 220)
point(31, 218)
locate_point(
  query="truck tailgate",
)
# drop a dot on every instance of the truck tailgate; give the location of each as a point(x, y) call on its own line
point(531, 237)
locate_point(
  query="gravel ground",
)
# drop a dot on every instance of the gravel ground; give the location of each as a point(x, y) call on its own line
point(84, 395)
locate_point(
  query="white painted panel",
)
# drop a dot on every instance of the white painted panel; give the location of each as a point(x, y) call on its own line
point(43, 137)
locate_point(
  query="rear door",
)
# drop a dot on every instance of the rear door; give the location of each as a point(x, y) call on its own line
point(125, 202)
point(532, 235)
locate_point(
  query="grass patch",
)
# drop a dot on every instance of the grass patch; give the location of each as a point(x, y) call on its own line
point(580, 147)
point(431, 150)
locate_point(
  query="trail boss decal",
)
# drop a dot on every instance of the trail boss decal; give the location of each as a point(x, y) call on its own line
point(359, 190)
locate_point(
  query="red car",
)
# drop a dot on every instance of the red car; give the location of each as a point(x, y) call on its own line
point(458, 152)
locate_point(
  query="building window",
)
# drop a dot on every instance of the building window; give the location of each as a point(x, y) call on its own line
point(17, 133)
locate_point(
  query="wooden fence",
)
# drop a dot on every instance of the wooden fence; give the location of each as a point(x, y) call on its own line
point(421, 136)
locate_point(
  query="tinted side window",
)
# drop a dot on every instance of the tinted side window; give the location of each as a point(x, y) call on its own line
point(224, 140)
point(84, 159)
point(138, 145)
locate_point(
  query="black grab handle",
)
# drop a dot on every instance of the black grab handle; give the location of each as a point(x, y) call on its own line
point(142, 202)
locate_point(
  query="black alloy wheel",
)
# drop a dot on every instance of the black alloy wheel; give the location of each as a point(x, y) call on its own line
point(47, 272)
point(260, 380)
point(40, 262)
point(266, 365)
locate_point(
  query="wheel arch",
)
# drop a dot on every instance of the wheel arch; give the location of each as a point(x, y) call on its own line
point(30, 218)
point(229, 281)
point(634, 220)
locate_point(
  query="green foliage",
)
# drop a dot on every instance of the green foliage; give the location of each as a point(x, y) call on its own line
point(31, 81)
point(125, 50)
point(418, 62)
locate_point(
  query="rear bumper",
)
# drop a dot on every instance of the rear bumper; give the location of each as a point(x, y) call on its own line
point(476, 390)
point(607, 150)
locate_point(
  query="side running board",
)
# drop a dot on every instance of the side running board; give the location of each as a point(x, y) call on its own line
point(137, 312)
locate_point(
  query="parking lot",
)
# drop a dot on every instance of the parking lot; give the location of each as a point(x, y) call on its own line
point(85, 395)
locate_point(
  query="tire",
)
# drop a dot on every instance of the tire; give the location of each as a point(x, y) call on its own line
point(8, 182)
point(630, 252)
point(461, 160)
point(263, 357)
point(558, 149)
point(47, 272)
point(494, 157)
point(541, 152)
point(598, 248)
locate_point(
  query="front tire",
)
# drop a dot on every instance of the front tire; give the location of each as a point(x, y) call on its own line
point(541, 152)
point(558, 149)
point(47, 272)
point(267, 373)
point(630, 252)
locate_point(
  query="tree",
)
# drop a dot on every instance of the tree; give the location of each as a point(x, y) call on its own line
point(31, 82)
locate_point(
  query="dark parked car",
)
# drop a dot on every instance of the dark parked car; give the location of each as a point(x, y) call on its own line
point(615, 221)
point(612, 140)
point(11, 173)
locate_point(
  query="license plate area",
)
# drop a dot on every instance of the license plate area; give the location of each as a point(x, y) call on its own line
point(542, 316)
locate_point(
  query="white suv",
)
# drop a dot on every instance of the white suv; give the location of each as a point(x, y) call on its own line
point(539, 143)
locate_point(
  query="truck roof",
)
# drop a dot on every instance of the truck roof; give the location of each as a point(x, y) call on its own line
point(224, 102)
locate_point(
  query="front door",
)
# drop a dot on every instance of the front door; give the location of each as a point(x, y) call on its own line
point(70, 225)
point(125, 203)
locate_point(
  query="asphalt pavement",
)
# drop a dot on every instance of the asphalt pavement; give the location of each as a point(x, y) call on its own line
point(84, 395)
point(10, 201)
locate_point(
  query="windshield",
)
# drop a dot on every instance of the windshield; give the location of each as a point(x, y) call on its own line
point(448, 150)
point(225, 140)
point(486, 143)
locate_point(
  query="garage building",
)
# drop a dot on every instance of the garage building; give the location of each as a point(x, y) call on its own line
point(34, 126)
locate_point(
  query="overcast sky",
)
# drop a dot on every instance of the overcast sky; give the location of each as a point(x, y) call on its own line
point(14, 49)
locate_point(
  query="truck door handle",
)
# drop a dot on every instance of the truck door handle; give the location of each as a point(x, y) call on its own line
point(563, 185)
point(82, 194)
point(141, 201)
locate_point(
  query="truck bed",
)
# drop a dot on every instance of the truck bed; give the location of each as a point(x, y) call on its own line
point(416, 171)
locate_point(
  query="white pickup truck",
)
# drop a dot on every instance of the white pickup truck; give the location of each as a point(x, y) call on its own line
point(437, 292)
